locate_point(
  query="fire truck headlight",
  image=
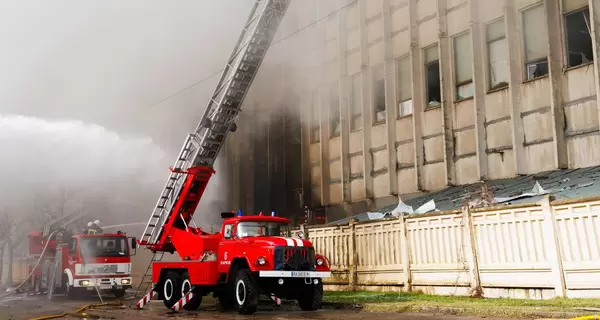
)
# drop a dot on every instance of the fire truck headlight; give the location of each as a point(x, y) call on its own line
point(125, 281)
point(261, 261)
point(84, 283)
point(319, 262)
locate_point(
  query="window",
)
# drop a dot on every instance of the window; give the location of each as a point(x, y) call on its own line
point(262, 229)
point(103, 247)
point(497, 55)
point(432, 76)
point(356, 102)
point(334, 109)
point(578, 39)
point(404, 86)
point(378, 93)
point(314, 123)
point(228, 231)
point(463, 66)
point(536, 42)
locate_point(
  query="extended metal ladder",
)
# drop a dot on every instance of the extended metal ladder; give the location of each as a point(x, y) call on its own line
point(203, 145)
point(146, 280)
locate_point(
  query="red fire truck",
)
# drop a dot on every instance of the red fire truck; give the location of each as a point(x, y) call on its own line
point(251, 255)
point(72, 263)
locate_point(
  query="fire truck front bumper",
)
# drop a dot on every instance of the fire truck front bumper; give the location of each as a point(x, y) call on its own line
point(295, 274)
point(103, 283)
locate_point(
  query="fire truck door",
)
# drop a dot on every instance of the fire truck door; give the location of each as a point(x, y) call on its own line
point(226, 246)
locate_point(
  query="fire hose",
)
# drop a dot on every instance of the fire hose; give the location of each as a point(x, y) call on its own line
point(79, 311)
point(33, 269)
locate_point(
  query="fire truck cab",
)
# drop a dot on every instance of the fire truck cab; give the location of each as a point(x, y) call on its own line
point(99, 261)
point(74, 263)
point(251, 256)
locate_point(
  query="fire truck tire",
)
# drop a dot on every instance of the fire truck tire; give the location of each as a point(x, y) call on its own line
point(186, 286)
point(312, 298)
point(171, 289)
point(119, 293)
point(246, 292)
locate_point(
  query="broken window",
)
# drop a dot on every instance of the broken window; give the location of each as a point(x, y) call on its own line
point(432, 76)
point(404, 86)
point(536, 42)
point(463, 66)
point(578, 39)
point(334, 109)
point(497, 55)
point(356, 102)
point(314, 123)
point(378, 93)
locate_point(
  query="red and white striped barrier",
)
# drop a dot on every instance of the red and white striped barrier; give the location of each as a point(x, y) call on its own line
point(146, 299)
point(276, 300)
point(183, 301)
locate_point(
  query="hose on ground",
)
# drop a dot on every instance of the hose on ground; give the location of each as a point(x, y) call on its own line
point(33, 269)
point(594, 317)
point(80, 310)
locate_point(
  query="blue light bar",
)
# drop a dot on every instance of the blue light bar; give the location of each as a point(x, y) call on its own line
point(239, 213)
point(273, 214)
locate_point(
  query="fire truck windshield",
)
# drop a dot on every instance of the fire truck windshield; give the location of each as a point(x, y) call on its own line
point(262, 229)
point(103, 247)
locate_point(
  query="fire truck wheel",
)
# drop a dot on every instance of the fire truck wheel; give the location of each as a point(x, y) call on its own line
point(312, 297)
point(246, 292)
point(119, 293)
point(186, 286)
point(171, 289)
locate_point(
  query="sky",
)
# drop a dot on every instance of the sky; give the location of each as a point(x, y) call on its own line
point(80, 81)
point(108, 62)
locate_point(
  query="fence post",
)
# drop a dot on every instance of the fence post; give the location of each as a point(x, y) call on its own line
point(352, 256)
point(405, 253)
point(471, 252)
point(553, 247)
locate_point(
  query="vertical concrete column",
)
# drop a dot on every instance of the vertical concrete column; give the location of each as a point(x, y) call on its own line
point(555, 64)
point(342, 40)
point(366, 100)
point(445, 51)
point(594, 6)
point(514, 39)
point(479, 48)
point(305, 125)
point(471, 252)
point(390, 97)
point(322, 99)
point(553, 247)
point(250, 168)
point(418, 83)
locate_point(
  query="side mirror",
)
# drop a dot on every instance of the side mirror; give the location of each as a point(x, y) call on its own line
point(133, 246)
point(300, 234)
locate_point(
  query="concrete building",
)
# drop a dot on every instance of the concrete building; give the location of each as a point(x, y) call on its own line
point(401, 97)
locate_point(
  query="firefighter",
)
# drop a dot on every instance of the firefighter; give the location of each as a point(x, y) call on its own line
point(94, 228)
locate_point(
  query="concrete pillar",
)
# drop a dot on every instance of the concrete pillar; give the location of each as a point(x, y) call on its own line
point(366, 100)
point(342, 39)
point(514, 39)
point(478, 45)
point(417, 71)
point(322, 99)
point(595, 26)
point(390, 98)
point(445, 53)
point(305, 126)
point(555, 65)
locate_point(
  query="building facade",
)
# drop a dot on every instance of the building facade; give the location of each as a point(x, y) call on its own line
point(401, 97)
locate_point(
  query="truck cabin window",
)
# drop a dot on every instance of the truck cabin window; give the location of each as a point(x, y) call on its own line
point(262, 229)
point(103, 247)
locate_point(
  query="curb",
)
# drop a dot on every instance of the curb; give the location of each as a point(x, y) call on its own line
point(403, 308)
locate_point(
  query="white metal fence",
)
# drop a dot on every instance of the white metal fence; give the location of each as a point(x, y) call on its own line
point(539, 250)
